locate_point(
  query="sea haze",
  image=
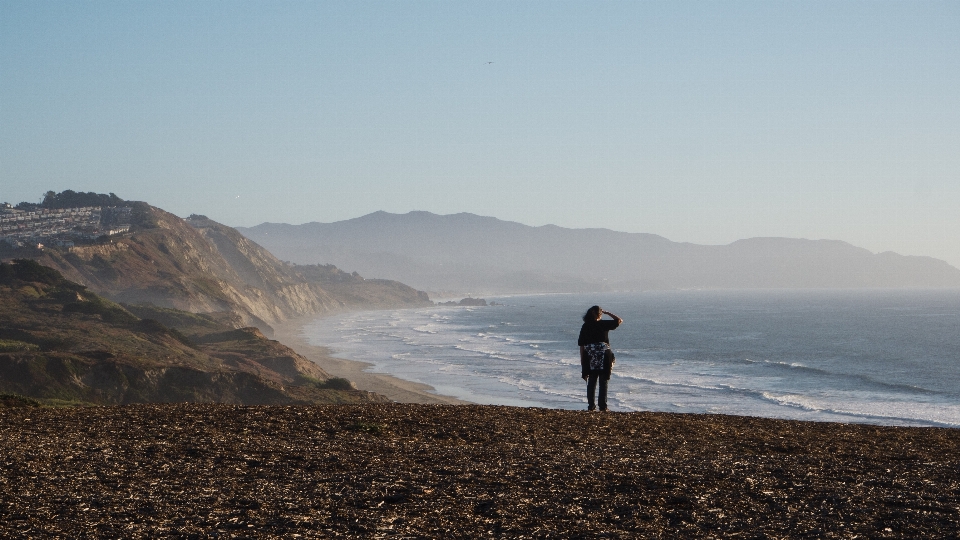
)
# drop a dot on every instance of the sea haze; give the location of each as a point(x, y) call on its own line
point(870, 356)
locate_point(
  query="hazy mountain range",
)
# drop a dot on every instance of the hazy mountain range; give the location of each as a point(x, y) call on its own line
point(470, 253)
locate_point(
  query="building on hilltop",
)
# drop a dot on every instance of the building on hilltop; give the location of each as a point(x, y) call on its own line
point(62, 226)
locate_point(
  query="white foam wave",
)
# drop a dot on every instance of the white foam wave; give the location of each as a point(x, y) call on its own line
point(427, 329)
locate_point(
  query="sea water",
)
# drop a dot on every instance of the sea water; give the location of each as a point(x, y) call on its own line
point(877, 356)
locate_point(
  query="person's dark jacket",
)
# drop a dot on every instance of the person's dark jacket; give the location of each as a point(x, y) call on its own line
point(595, 332)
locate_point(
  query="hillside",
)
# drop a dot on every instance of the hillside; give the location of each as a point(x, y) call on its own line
point(201, 266)
point(469, 253)
point(60, 342)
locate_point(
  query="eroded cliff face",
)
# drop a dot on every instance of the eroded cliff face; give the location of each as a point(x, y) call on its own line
point(289, 292)
point(60, 342)
point(195, 265)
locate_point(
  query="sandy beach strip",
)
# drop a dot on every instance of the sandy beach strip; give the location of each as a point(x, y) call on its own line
point(396, 389)
point(466, 471)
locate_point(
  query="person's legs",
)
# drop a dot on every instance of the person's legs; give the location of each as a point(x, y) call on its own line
point(602, 398)
point(591, 390)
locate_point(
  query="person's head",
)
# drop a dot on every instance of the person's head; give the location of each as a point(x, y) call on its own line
point(592, 314)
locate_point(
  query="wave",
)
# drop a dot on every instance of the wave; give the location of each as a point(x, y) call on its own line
point(426, 329)
point(926, 417)
point(485, 353)
point(824, 405)
point(537, 386)
point(862, 378)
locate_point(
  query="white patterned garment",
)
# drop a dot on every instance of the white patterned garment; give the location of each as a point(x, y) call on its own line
point(595, 352)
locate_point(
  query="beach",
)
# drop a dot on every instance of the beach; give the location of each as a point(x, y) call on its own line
point(468, 471)
point(394, 388)
point(877, 357)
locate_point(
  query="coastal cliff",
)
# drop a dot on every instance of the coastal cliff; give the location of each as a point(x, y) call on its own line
point(63, 344)
point(202, 266)
point(166, 309)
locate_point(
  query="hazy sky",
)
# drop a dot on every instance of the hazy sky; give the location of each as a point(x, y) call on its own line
point(703, 122)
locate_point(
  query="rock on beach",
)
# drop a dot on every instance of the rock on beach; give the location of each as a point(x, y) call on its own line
point(430, 471)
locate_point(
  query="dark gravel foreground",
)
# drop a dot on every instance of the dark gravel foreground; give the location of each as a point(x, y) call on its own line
point(430, 471)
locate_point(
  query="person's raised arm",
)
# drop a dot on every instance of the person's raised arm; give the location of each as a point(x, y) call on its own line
point(618, 319)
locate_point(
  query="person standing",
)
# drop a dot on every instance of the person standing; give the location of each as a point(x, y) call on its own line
point(594, 342)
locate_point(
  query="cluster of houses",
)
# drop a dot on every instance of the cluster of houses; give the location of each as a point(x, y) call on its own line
point(61, 226)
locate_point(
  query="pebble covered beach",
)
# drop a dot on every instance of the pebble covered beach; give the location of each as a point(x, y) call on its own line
point(431, 471)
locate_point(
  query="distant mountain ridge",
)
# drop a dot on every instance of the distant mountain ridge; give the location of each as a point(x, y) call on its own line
point(469, 253)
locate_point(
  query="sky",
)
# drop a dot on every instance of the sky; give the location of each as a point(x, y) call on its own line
point(703, 122)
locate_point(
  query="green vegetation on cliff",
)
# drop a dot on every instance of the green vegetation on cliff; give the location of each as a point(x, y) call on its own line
point(72, 199)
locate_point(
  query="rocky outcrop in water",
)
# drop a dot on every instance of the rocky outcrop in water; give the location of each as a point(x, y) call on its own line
point(475, 302)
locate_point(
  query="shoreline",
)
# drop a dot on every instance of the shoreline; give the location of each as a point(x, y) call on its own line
point(290, 333)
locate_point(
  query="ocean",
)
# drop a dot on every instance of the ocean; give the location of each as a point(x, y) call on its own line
point(888, 357)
